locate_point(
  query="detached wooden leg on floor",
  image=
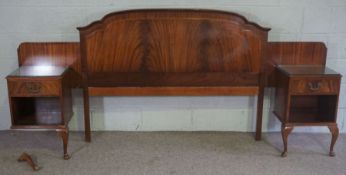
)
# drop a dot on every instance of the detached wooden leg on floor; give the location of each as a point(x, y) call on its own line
point(64, 135)
point(285, 131)
point(335, 133)
point(26, 157)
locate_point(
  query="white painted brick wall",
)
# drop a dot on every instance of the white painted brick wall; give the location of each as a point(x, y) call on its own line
point(56, 20)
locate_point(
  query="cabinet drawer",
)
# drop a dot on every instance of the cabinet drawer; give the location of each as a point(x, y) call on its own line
point(318, 85)
point(30, 88)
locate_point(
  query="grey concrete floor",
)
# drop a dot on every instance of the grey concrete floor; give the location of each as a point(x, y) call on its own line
point(172, 153)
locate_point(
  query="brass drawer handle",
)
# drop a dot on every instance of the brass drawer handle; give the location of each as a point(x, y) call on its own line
point(314, 86)
point(33, 87)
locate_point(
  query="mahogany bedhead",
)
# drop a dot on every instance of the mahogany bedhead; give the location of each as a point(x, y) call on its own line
point(171, 41)
point(173, 52)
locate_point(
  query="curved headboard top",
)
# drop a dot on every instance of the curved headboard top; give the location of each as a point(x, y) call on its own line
point(171, 13)
point(172, 40)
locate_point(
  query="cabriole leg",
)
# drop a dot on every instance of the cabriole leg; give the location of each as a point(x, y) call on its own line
point(285, 131)
point(335, 133)
point(26, 157)
point(64, 135)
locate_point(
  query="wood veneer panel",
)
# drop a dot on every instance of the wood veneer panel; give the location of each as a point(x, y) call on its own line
point(296, 53)
point(27, 87)
point(281, 96)
point(172, 79)
point(173, 91)
point(173, 41)
point(65, 54)
point(324, 85)
point(293, 53)
point(50, 53)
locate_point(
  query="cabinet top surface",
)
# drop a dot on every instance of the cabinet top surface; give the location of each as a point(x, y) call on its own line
point(38, 71)
point(314, 70)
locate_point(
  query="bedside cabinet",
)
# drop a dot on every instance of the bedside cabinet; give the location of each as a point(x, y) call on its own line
point(40, 98)
point(307, 96)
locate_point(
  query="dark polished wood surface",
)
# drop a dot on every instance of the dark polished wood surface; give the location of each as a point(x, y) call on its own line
point(318, 70)
point(65, 54)
point(59, 54)
point(293, 53)
point(41, 102)
point(28, 81)
point(307, 95)
point(28, 87)
point(38, 71)
point(298, 53)
point(173, 52)
point(173, 91)
point(141, 52)
point(200, 79)
point(315, 85)
point(172, 41)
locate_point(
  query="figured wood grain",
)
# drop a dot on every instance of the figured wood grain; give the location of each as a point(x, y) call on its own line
point(172, 91)
point(173, 52)
point(315, 85)
point(298, 53)
point(213, 79)
point(173, 41)
point(28, 87)
point(116, 49)
point(293, 53)
point(173, 45)
point(66, 54)
point(307, 95)
point(50, 53)
point(41, 102)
